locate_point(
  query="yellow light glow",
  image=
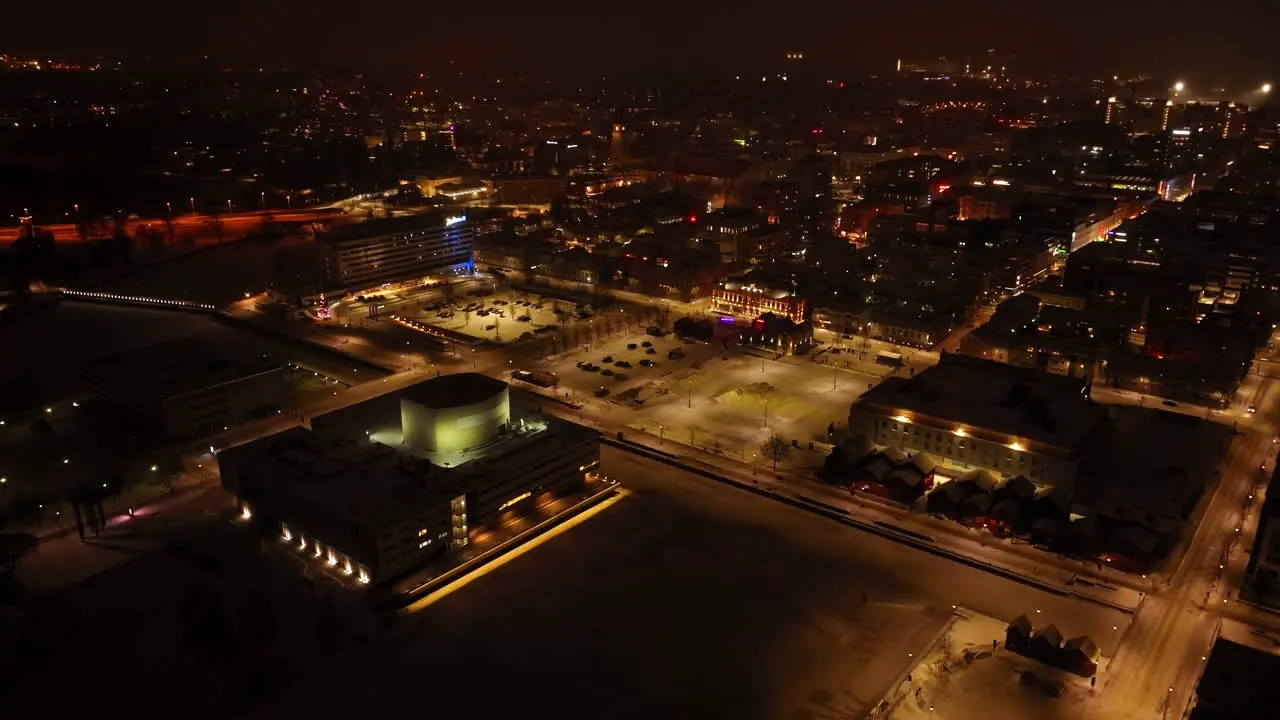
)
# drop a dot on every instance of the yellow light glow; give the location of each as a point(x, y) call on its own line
point(245, 513)
point(1016, 446)
point(465, 580)
point(513, 501)
point(960, 432)
point(364, 576)
point(902, 418)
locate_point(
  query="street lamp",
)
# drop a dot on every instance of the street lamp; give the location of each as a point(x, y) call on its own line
point(1266, 88)
point(1179, 86)
point(192, 200)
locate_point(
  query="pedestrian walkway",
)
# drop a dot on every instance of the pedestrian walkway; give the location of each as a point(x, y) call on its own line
point(61, 561)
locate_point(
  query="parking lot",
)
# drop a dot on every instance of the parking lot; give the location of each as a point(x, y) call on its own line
point(510, 316)
point(726, 400)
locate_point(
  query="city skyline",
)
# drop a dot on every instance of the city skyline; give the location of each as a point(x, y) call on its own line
point(1095, 37)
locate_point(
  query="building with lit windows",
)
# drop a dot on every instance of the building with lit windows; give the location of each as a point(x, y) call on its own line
point(385, 486)
point(750, 300)
point(366, 255)
point(969, 413)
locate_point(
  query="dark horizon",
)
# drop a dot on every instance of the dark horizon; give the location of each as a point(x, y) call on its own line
point(1094, 38)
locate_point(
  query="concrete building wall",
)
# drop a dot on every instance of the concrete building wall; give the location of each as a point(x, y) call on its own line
point(453, 429)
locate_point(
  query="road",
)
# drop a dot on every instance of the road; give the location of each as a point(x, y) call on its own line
point(1155, 672)
point(201, 227)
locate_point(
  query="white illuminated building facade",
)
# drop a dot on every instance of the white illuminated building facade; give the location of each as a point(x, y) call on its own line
point(389, 251)
point(383, 487)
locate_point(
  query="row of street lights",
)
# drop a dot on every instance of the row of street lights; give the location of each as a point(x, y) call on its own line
point(191, 202)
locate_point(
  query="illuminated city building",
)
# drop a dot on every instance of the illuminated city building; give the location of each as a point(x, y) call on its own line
point(749, 301)
point(394, 482)
point(366, 255)
point(969, 413)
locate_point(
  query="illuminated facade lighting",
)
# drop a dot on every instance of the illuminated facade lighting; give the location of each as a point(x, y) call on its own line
point(514, 500)
point(902, 418)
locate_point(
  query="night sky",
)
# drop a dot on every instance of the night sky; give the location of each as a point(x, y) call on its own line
point(1219, 41)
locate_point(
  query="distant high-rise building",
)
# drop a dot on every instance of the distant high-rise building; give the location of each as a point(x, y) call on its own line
point(618, 145)
point(1232, 119)
point(1117, 111)
point(380, 252)
point(375, 254)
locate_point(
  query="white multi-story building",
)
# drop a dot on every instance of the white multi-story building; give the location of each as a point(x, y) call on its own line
point(367, 255)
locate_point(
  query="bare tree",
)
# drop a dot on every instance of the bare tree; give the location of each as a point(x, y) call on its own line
point(775, 449)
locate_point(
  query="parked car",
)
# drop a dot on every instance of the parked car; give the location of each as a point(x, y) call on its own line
point(632, 346)
point(622, 364)
point(648, 363)
point(651, 351)
point(606, 372)
point(603, 391)
point(607, 359)
point(647, 344)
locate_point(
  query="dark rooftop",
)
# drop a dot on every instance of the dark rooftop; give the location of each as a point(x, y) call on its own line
point(1021, 402)
point(388, 226)
point(177, 367)
point(1238, 683)
point(451, 391)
